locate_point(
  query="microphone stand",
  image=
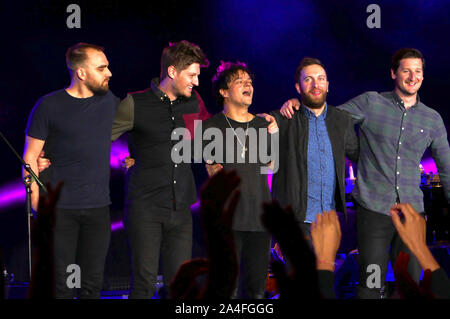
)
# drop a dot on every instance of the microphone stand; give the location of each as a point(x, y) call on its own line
point(27, 180)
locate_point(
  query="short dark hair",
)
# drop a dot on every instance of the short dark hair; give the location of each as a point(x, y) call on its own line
point(76, 54)
point(306, 61)
point(225, 73)
point(406, 53)
point(181, 55)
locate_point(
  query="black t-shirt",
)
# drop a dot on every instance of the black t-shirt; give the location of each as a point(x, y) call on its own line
point(77, 134)
point(254, 186)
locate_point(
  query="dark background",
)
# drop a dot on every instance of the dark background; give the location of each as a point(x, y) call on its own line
point(270, 36)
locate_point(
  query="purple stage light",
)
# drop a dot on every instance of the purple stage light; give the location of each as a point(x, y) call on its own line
point(429, 165)
point(196, 206)
point(12, 194)
point(269, 180)
point(119, 150)
point(117, 226)
point(15, 193)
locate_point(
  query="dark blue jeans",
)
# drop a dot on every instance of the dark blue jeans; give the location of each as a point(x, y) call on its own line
point(155, 231)
point(376, 234)
point(81, 237)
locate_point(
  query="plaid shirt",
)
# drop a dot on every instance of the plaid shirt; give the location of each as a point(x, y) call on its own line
point(392, 143)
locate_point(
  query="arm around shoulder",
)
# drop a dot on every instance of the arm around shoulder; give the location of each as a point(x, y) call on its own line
point(357, 107)
point(351, 143)
point(124, 119)
point(280, 119)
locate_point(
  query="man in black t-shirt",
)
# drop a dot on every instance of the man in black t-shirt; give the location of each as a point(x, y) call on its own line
point(245, 137)
point(73, 127)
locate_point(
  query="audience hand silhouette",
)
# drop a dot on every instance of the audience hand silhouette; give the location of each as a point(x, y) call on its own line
point(42, 252)
point(302, 281)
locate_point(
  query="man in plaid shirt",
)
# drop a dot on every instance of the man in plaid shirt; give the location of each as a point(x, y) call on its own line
point(395, 130)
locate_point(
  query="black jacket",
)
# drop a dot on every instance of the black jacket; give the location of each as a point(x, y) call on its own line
point(290, 183)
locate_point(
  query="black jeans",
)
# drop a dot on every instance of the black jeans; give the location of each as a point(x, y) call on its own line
point(155, 231)
point(376, 233)
point(81, 237)
point(306, 229)
point(253, 254)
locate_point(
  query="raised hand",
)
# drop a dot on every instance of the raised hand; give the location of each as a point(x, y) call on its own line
point(406, 286)
point(219, 198)
point(326, 236)
point(184, 284)
point(42, 237)
point(412, 231)
point(282, 224)
point(212, 169)
point(46, 209)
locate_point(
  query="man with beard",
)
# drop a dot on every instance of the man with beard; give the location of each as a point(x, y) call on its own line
point(396, 128)
point(313, 146)
point(73, 127)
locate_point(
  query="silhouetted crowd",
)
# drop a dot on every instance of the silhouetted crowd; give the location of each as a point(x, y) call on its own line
point(311, 273)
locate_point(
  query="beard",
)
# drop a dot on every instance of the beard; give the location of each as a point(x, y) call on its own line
point(97, 89)
point(314, 104)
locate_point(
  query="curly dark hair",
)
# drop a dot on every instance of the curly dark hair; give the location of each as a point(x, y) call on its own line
point(225, 73)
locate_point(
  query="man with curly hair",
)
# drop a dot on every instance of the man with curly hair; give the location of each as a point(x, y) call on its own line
point(242, 147)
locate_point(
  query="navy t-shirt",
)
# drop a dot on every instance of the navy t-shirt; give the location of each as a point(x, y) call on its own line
point(77, 135)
